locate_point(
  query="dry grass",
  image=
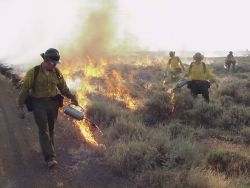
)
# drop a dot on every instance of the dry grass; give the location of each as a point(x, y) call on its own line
point(163, 149)
point(230, 163)
point(199, 145)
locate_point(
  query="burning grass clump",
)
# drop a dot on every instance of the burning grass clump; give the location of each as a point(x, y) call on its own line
point(229, 163)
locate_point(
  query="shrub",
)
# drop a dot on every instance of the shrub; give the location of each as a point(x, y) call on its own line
point(204, 114)
point(226, 101)
point(126, 130)
point(156, 108)
point(182, 152)
point(245, 134)
point(230, 89)
point(235, 117)
point(160, 141)
point(135, 156)
point(105, 112)
point(229, 163)
point(184, 101)
point(158, 178)
point(176, 129)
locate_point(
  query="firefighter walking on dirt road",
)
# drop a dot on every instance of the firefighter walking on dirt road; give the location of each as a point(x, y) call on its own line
point(200, 76)
point(41, 92)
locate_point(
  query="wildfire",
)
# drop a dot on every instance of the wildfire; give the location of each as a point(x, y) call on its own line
point(118, 90)
point(171, 95)
point(78, 74)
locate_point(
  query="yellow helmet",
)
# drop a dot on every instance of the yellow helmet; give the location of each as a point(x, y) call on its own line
point(198, 56)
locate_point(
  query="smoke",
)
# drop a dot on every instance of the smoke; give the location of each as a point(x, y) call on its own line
point(30, 27)
point(97, 35)
point(76, 28)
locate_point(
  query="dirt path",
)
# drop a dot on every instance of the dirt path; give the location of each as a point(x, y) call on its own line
point(21, 162)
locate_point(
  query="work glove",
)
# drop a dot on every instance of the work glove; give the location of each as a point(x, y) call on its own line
point(20, 112)
point(74, 101)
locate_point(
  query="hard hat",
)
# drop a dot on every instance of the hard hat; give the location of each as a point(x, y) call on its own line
point(198, 56)
point(171, 53)
point(51, 54)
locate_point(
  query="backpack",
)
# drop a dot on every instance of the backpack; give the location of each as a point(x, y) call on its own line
point(28, 101)
point(36, 71)
point(203, 64)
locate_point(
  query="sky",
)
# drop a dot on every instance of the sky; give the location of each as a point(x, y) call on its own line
point(188, 24)
point(29, 27)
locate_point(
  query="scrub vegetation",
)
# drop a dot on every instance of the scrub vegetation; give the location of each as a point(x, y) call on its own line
point(196, 145)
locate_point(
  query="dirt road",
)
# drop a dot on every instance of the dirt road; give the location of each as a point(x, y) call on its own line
point(21, 162)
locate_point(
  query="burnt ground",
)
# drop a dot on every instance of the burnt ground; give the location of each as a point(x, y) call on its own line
point(21, 161)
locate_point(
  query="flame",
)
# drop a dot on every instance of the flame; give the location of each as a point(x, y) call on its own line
point(118, 90)
point(86, 132)
point(78, 74)
point(171, 94)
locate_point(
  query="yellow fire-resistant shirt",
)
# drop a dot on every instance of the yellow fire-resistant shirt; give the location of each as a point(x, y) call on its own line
point(230, 58)
point(45, 85)
point(196, 72)
point(175, 63)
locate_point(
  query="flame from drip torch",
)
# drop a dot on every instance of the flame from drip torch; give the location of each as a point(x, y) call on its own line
point(80, 71)
point(171, 94)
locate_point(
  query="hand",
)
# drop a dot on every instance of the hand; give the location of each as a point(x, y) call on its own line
point(20, 112)
point(74, 101)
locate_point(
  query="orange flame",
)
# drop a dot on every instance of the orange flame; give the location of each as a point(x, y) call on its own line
point(172, 101)
point(78, 73)
point(118, 90)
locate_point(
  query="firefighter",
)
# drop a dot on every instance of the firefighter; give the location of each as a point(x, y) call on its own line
point(44, 84)
point(175, 65)
point(230, 60)
point(199, 77)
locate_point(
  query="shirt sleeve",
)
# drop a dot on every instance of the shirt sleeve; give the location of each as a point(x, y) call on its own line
point(211, 75)
point(181, 63)
point(26, 87)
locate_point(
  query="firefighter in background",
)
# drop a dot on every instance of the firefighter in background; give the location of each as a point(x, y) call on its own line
point(230, 60)
point(199, 77)
point(175, 65)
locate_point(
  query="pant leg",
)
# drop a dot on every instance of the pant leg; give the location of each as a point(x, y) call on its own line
point(41, 118)
point(228, 64)
point(52, 113)
point(200, 87)
point(205, 93)
point(193, 88)
point(233, 64)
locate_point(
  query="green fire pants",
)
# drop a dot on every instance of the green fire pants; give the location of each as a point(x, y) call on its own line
point(199, 87)
point(45, 111)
